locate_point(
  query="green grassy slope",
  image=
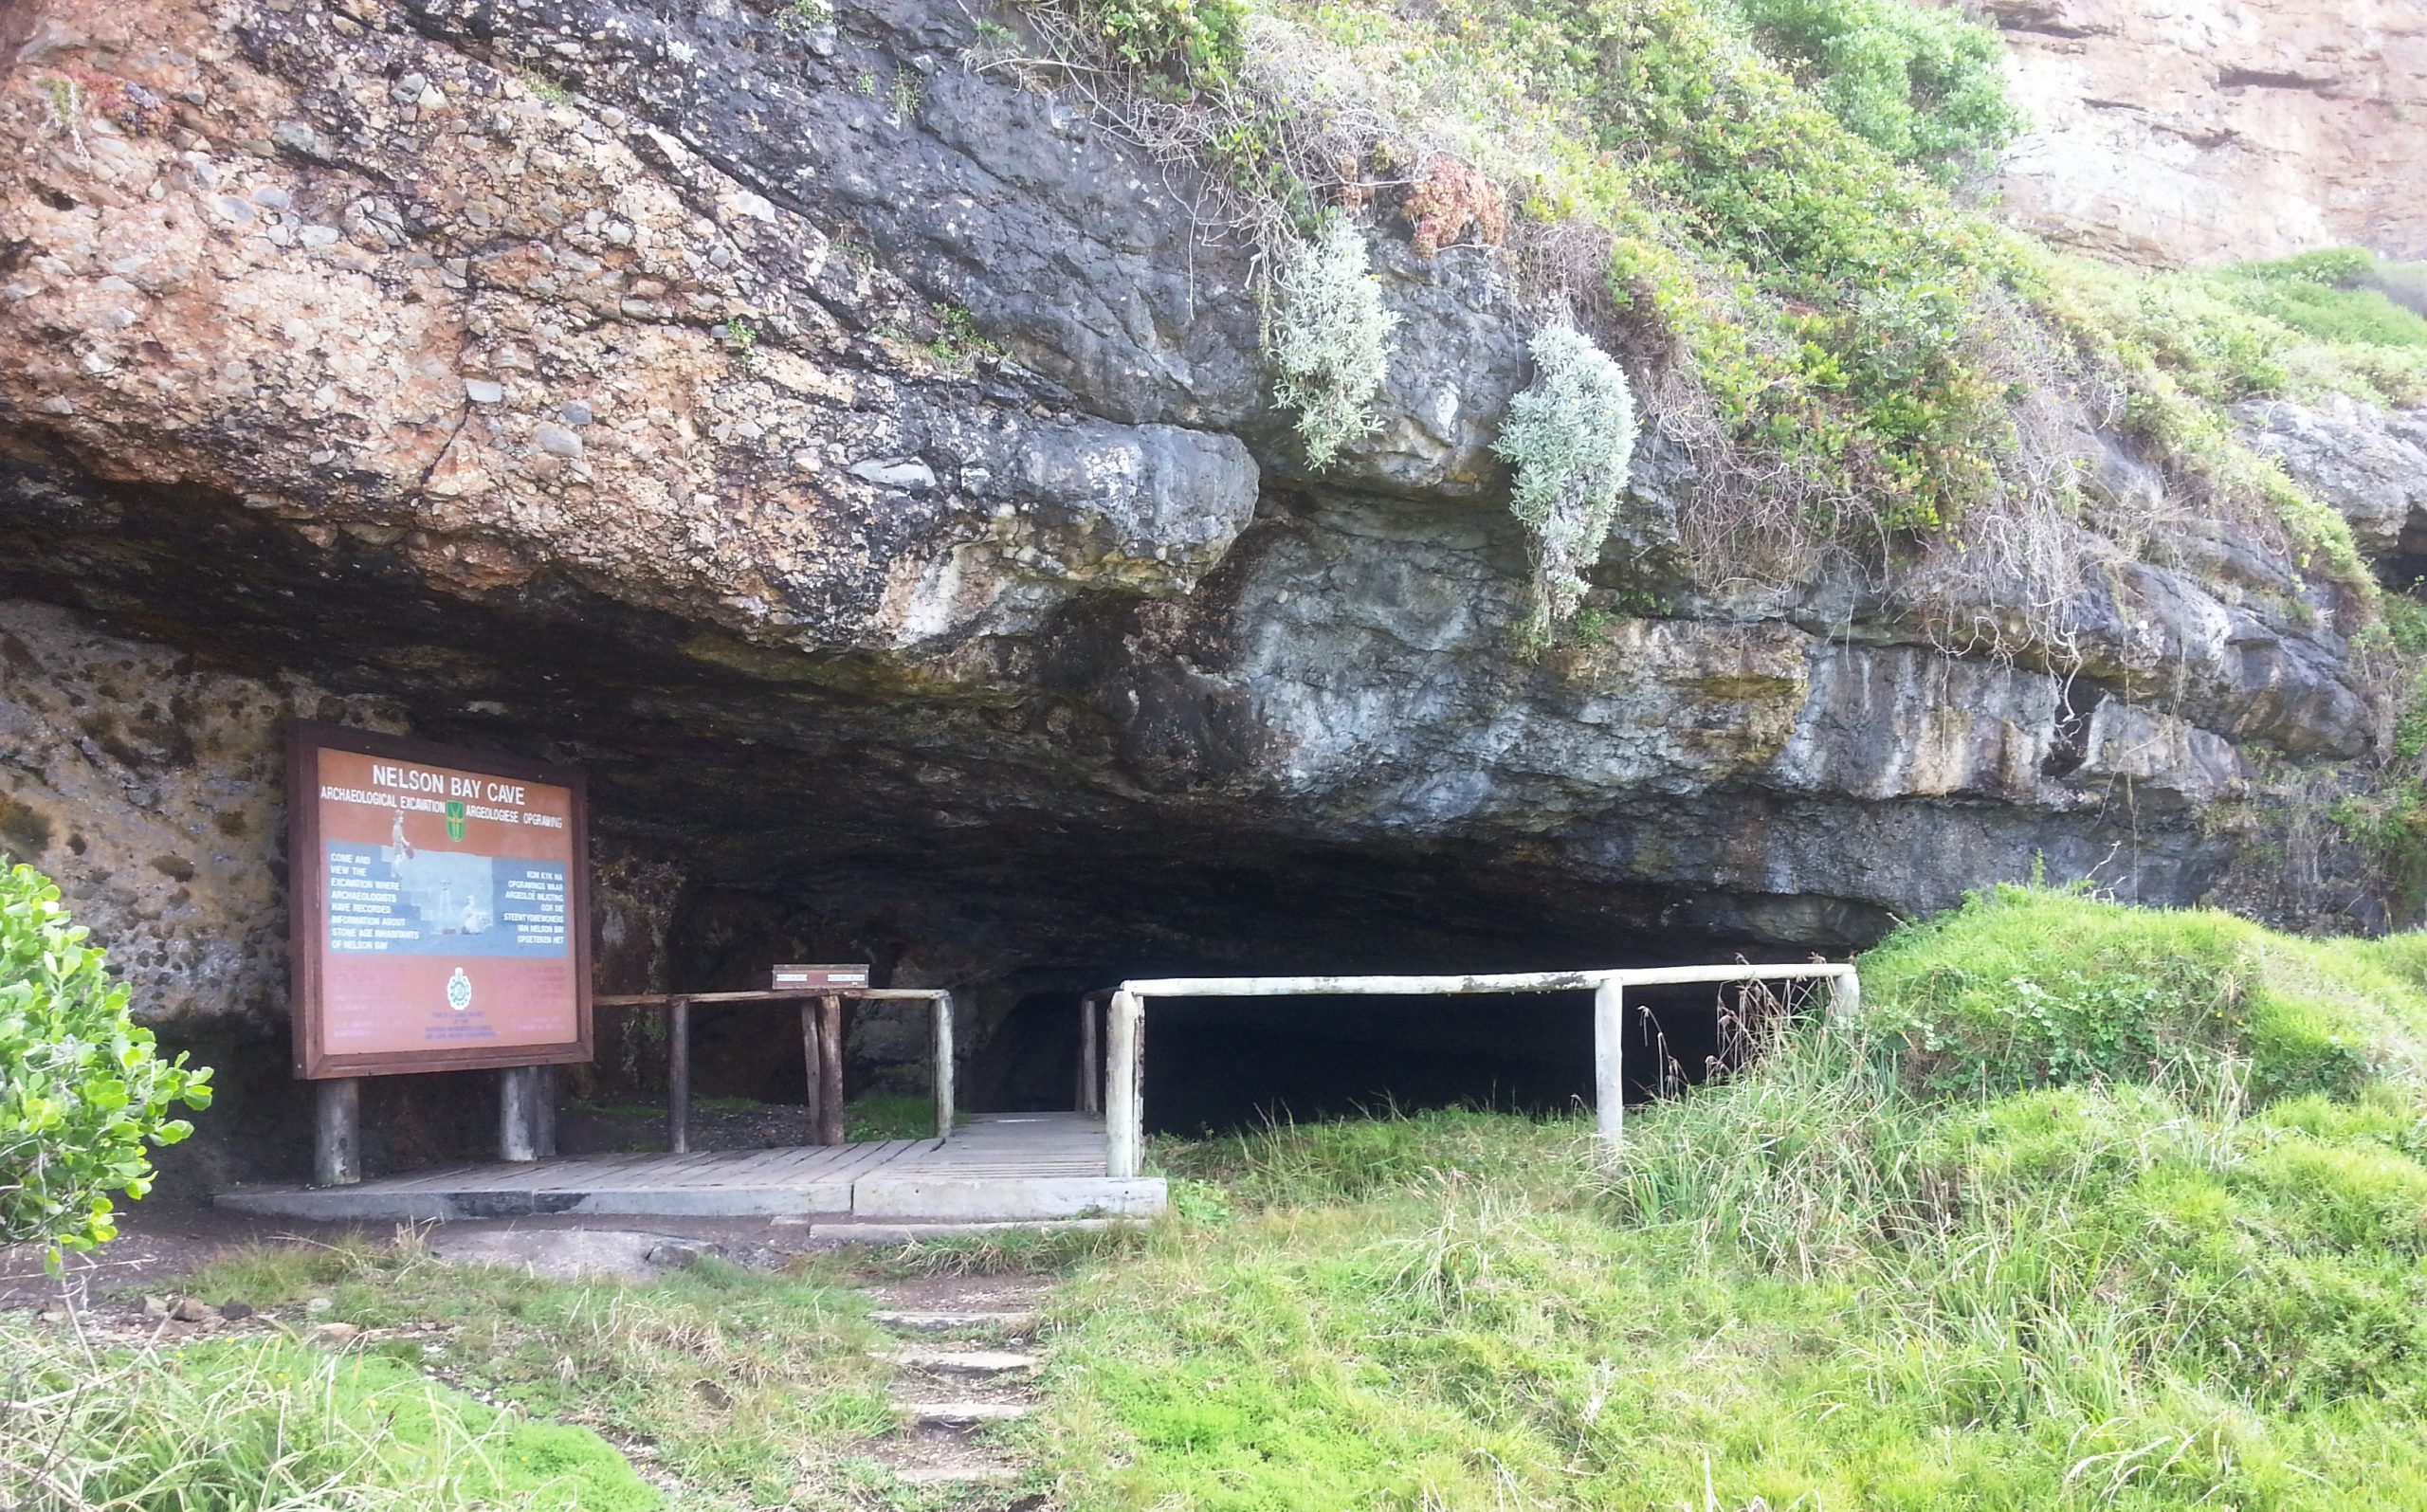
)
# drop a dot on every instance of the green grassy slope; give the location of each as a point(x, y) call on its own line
point(2101, 1207)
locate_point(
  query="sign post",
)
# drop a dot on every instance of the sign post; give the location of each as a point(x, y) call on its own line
point(439, 914)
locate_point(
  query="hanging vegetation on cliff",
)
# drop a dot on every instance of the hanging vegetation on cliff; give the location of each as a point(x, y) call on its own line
point(1764, 195)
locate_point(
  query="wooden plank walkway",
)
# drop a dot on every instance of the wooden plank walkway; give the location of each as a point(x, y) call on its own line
point(997, 1165)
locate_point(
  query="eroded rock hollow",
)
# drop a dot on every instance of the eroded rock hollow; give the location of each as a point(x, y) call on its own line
point(863, 467)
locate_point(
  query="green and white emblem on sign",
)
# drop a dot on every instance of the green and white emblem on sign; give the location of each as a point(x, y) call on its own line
point(459, 990)
point(454, 821)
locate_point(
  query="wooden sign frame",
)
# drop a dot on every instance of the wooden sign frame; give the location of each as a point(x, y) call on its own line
point(817, 979)
point(307, 893)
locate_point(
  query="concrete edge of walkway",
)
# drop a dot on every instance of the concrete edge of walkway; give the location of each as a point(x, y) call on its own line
point(853, 1232)
point(1006, 1197)
point(1006, 1201)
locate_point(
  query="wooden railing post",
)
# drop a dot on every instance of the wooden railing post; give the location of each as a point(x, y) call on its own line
point(678, 1075)
point(1124, 1086)
point(829, 1069)
point(518, 1113)
point(1845, 998)
point(336, 1132)
point(1609, 1070)
point(943, 1079)
point(812, 1058)
point(543, 1112)
point(1090, 1054)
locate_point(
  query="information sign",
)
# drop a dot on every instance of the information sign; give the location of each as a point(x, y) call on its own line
point(440, 903)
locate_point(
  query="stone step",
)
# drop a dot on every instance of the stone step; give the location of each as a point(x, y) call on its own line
point(962, 1361)
point(961, 1414)
point(957, 1475)
point(946, 1323)
point(887, 1232)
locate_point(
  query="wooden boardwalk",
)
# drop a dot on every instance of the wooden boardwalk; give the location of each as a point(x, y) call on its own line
point(997, 1165)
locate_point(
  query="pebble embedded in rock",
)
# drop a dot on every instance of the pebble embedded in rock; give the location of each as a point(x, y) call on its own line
point(575, 412)
point(295, 138)
point(483, 390)
point(895, 472)
point(556, 441)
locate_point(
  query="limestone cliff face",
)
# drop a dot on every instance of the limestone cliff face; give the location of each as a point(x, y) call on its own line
point(863, 467)
point(2193, 131)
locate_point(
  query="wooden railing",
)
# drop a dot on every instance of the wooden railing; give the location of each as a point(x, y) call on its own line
point(821, 1034)
point(1124, 1089)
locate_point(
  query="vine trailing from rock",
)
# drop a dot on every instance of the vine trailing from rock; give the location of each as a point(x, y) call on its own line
point(1329, 339)
point(1571, 437)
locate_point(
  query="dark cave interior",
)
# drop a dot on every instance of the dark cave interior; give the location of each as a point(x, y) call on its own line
point(828, 808)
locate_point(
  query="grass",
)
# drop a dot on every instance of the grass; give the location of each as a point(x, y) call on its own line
point(745, 1384)
point(2093, 1207)
point(271, 1423)
point(2181, 1263)
point(874, 1115)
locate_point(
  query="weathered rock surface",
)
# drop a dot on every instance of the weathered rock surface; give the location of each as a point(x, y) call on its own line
point(149, 783)
point(2195, 132)
point(2369, 464)
point(859, 462)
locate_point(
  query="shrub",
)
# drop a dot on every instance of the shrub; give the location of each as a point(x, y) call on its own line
point(80, 1089)
point(1450, 198)
point(1188, 43)
point(1571, 438)
point(1926, 86)
point(1330, 338)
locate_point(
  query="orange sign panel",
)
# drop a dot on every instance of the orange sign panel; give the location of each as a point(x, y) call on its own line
point(440, 907)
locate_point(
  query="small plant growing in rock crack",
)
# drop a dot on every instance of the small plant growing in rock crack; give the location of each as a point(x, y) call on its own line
point(807, 15)
point(1571, 437)
point(66, 109)
point(907, 96)
point(1329, 337)
point(544, 89)
point(743, 338)
point(957, 344)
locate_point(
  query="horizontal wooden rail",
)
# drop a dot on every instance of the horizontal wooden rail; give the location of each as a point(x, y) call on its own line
point(762, 995)
point(1505, 982)
point(1125, 1100)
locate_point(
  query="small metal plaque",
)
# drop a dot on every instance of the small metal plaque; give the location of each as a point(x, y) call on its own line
point(819, 978)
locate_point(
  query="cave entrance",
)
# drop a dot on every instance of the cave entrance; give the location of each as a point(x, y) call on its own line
point(1219, 1065)
point(1236, 1050)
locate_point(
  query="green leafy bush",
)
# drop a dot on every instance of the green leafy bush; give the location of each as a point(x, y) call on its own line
point(1924, 86)
point(1191, 44)
point(1329, 339)
point(80, 1089)
point(1571, 437)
